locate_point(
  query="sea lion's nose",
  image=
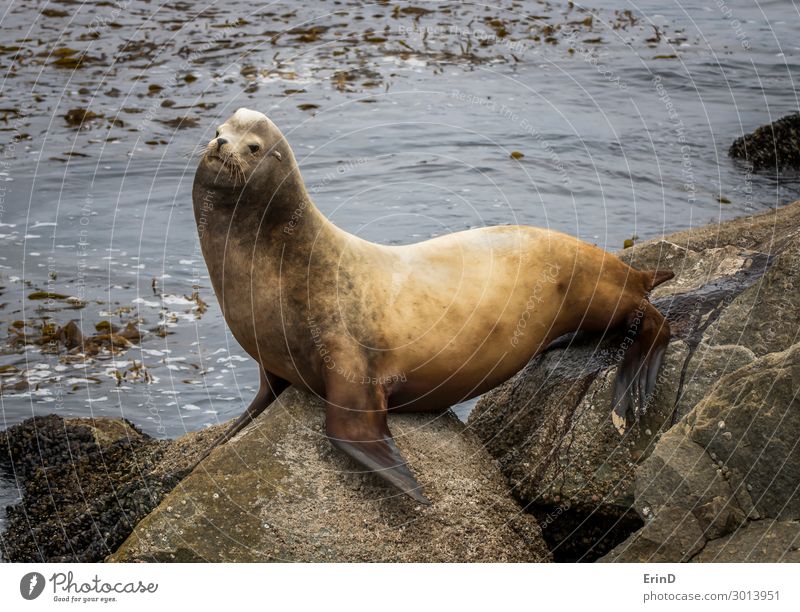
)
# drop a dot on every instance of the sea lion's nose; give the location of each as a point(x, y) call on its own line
point(220, 142)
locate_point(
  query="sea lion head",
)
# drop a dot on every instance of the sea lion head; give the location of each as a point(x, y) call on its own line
point(247, 151)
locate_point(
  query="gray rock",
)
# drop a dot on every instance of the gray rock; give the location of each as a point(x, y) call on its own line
point(551, 431)
point(679, 473)
point(280, 492)
point(764, 317)
point(705, 370)
point(733, 308)
point(763, 541)
point(734, 456)
point(674, 535)
point(719, 517)
point(758, 406)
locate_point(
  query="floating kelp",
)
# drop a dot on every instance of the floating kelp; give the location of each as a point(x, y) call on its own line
point(181, 123)
point(629, 242)
point(76, 117)
point(50, 12)
point(46, 295)
point(308, 35)
point(70, 338)
point(202, 307)
point(71, 59)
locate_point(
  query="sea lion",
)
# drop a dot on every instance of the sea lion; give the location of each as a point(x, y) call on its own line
point(419, 327)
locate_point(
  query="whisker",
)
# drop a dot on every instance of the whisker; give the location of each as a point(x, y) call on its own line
point(197, 152)
point(237, 169)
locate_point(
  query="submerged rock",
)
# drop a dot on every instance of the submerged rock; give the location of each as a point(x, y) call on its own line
point(279, 491)
point(773, 146)
point(717, 445)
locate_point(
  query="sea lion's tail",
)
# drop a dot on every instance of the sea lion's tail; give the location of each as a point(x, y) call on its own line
point(644, 345)
point(658, 276)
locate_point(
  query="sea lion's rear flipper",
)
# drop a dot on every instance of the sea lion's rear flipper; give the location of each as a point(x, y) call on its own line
point(644, 345)
point(364, 435)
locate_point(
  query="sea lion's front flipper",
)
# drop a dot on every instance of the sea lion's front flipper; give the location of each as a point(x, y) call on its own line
point(271, 386)
point(382, 458)
point(638, 373)
point(362, 433)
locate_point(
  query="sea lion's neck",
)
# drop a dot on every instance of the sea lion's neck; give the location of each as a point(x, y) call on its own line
point(273, 219)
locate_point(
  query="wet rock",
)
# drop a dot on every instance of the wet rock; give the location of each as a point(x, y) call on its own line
point(279, 491)
point(86, 483)
point(773, 146)
point(550, 430)
point(733, 457)
point(716, 445)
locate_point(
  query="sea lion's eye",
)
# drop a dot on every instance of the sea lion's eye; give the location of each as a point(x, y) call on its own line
point(253, 148)
point(216, 135)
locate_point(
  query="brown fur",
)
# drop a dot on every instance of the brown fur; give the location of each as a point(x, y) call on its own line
point(374, 328)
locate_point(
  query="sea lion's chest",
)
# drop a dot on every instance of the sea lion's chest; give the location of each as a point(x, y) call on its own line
point(265, 306)
point(246, 287)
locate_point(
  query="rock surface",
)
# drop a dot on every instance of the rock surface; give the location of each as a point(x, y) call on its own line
point(280, 492)
point(760, 542)
point(710, 472)
point(86, 484)
point(718, 445)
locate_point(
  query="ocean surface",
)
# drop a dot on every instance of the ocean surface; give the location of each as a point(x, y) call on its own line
point(403, 117)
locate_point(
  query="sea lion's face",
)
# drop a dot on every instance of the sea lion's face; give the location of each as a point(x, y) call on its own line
point(243, 145)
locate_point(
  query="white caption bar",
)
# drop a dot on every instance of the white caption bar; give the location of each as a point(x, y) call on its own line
point(385, 588)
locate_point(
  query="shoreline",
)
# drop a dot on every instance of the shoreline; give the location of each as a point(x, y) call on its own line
point(148, 470)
